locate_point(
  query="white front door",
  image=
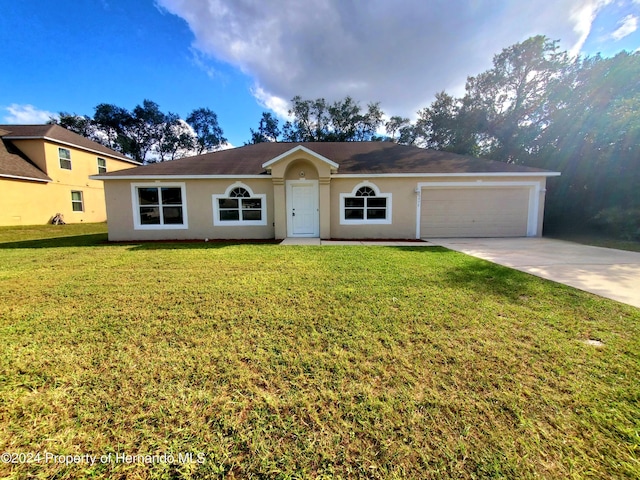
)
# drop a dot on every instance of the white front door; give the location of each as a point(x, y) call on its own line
point(302, 208)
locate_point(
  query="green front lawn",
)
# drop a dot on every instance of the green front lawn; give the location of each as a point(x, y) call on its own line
point(307, 362)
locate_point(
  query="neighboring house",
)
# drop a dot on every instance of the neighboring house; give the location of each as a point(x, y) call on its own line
point(45, 169)
point(354, 190)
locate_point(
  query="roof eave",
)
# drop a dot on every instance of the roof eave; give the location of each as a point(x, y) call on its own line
point(451, 174)
point(335, 175)
point(175, 177)
point(20, 177)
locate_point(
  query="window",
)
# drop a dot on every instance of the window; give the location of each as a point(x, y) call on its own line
point(159, 206)
point(102, 165)
point(365, 205)
point(77, 203)
point(64, 155)
point(239, 206)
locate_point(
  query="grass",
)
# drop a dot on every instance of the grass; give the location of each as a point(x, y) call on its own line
point(599, 241)
point(74, 233)
point(590, 236)
point(307, 362)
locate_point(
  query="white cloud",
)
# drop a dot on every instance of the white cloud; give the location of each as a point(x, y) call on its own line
point(400, 54)
point(582, 15)
point(273, 103)
point(26, 115)
point(628, 25)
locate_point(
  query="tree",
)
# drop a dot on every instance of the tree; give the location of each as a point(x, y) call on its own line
point(448, 124)
point(310, 120)
point(205, 125)
point(132, 133)
point(537, 107)
point(509, 102)
point(593, 137)
point(395, 125)
point(177, 139)
point(146, 134)
point(145, 130)
point(342, 121)
point(80, 124)
point(114, 121)
point(268, 130)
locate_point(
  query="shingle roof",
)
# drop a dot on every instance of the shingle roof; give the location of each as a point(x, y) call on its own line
point(352, 157)
point(60, 134)
point(13, 163)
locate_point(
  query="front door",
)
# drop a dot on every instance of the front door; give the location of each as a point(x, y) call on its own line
point(302, 208)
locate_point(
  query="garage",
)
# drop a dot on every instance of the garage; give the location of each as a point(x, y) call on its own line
point(476, 211)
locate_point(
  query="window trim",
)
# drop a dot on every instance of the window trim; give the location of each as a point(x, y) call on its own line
point(364, 221)
point(74, 202)
point(60, 159)
point(100, 166)
point(234, 223)
point(135, 203)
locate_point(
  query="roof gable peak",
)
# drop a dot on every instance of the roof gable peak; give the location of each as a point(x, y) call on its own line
point(299, 148)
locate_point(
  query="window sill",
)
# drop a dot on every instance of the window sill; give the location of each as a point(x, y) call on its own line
point(365, 222)
point(161, 227)
point(238, 223)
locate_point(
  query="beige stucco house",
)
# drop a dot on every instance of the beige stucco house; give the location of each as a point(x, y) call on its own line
point(45, 169)
point(354, 190)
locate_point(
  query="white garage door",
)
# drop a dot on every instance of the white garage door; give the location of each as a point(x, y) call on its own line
point(474, 212)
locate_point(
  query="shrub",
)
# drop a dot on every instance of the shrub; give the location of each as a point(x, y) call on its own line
point(620, 222)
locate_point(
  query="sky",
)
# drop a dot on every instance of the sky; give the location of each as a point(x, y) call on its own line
point(242, 57)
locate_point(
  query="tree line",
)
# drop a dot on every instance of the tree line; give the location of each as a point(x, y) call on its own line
point(147, 134)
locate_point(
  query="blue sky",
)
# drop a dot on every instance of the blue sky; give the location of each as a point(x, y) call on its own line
point(242, 57)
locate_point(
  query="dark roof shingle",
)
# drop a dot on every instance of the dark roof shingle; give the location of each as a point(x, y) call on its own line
point(352, 157)
point(13, 163)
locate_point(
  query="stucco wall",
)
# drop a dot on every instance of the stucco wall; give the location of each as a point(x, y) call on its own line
point(199, 204)
point(33, 203)
point(403, 206)
point(404, 200)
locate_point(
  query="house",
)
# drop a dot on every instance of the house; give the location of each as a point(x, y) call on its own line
point(351, 190)
point(45, 169)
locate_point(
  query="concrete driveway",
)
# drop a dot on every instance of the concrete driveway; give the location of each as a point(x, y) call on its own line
point(606, 272)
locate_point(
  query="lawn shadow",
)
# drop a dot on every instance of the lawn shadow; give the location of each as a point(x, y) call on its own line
point(91, 240)
point(420, 249)
point(464, 272)
point(201, 245)
point(193, 244)
point(491, 279)
point(101, 240)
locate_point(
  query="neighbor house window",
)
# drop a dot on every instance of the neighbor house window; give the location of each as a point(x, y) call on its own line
point(64, 154)
point(239, 206)
point(365, 205)
point(159, 206)
point(77, 203)
point(102, 165)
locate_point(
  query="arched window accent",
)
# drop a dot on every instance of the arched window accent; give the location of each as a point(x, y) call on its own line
point(365, 192)
point(239, 206)
point(365, 205)
point(239, 192)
